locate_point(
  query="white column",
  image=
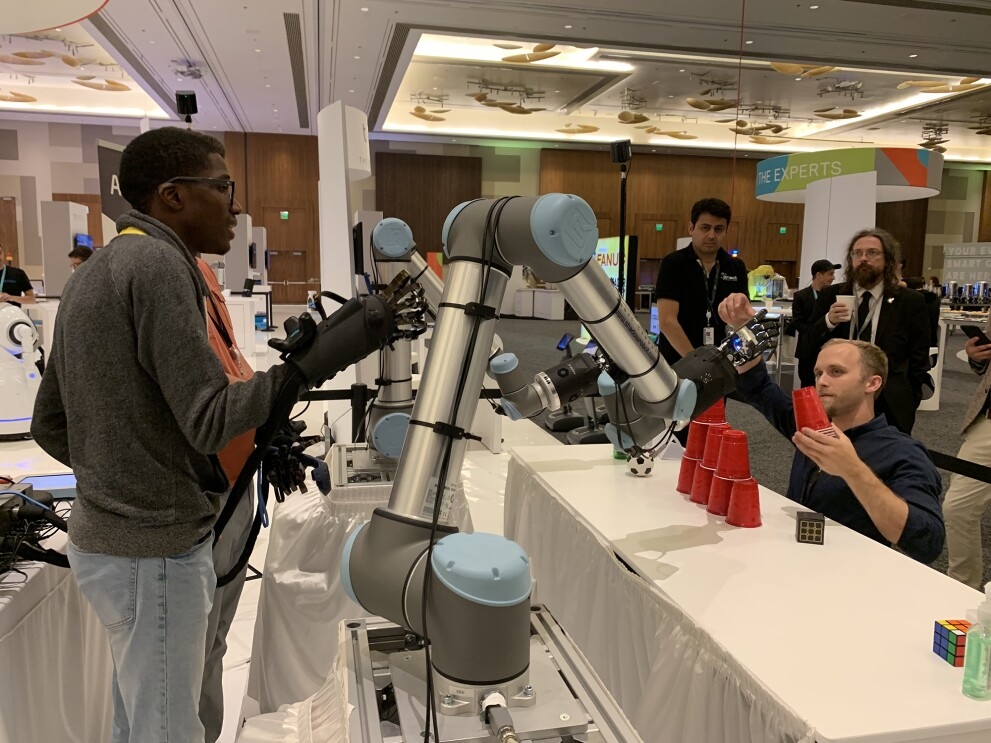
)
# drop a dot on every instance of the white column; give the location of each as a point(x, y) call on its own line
point(835, 208)
point(336, 260)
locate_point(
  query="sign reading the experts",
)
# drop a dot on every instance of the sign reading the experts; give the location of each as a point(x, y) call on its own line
point(795, 172)
point(902, 172)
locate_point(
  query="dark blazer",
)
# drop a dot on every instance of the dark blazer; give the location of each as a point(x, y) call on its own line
point(803, 304)
point(902, 333)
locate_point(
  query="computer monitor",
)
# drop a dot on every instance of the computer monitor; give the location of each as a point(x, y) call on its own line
point(249, 287)
point(80, 240)
point(655, 324)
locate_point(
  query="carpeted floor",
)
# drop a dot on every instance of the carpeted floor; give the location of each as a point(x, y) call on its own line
point(535, 341)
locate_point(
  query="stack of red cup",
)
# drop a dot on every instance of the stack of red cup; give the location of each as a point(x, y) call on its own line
point(707, 467)
point(809, 412)
point(733, 465)
point(695, 446)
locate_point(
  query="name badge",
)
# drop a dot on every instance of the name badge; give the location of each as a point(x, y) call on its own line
point(709, 336)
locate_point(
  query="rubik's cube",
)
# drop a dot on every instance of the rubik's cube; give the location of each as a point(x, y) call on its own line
point(810, 527)
point(949, 640)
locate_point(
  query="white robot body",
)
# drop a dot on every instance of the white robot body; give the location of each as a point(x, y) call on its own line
point(19, 377)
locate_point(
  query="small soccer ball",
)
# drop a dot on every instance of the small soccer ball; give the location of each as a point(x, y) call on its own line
point(640, 466)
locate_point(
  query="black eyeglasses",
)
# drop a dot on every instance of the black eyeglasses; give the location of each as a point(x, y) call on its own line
point(223, 185)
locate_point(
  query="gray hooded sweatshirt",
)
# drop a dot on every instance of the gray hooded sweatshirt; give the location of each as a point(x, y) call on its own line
point(134, 400)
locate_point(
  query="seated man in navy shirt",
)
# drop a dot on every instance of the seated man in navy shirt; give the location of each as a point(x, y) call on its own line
point(871, 477)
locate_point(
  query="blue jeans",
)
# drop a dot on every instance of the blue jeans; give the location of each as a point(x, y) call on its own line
point(155, 610)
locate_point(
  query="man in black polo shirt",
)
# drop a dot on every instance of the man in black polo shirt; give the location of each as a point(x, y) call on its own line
point(694, 280)
point(15, 287)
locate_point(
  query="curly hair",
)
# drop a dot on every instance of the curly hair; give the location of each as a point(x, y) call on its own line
point(892, 249)
point(160, 154)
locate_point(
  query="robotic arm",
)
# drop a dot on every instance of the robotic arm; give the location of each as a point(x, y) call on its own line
point(705, 375)
point(468, 595)
point(19, 378)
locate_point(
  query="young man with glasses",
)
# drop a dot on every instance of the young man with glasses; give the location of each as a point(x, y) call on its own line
point(890, 316)
point(135, 401)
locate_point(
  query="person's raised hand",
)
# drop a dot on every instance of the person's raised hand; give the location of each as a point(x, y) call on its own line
point(834, 455)
point(735, 310)
point(839, 312)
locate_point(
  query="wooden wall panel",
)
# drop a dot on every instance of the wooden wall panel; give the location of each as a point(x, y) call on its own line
point(906, 220)
point(275, 173)
point(668, 185)
point(984, 226)
point(422, 189)
point(8, 230)
point(94, 220)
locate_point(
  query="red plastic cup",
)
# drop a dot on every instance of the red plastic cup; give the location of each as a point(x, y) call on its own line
point(744, 504)
point(734, 456)
point(686, 475)
point(713, 438)
point(809, 412)
point(719, 495)
point(714, 414)
point(695, 446)
point(701, 484)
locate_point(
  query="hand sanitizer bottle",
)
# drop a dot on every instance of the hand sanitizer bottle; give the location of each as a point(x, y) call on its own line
point(977, 658)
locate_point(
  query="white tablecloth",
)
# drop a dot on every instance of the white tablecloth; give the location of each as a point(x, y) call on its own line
point(55, 663)
point(728, 634)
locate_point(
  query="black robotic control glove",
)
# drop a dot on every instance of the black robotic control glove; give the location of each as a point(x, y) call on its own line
point(319, 351)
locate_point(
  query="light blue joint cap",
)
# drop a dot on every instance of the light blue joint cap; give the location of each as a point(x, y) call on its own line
point(390, 433)
point(504, 363)
point(511, 411)
point(607, 385)
point(449, 221)
point(483, 568)
point(619, 441)
point(393, 238)
point(564, 228)
point(684, 404)
point(346, 563)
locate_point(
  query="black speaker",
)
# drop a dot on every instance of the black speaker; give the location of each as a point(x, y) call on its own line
point(621, 151)
point(185, 101)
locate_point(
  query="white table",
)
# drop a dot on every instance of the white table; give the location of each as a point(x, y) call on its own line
point(548, 304)
point(523, 304)
point(838, 635)
point(55, 663)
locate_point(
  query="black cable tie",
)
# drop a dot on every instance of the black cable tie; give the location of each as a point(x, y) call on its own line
point(474, 309)
point(447, 429)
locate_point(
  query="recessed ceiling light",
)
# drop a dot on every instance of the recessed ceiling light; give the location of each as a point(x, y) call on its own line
point(357, 56)
point(912, 56)
point(568, 26)
point(364, 10)
point(275, 110)
point(58, 29)
point(454, 140)
point(749, 41)
point(670, 96)
point(351, 90)
point(813, 7)
point(557, 91)
point(435, 88)
point(681, 70)
point(258, 51)
point(268, 85)
point(151, 41)
point(653, 150)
